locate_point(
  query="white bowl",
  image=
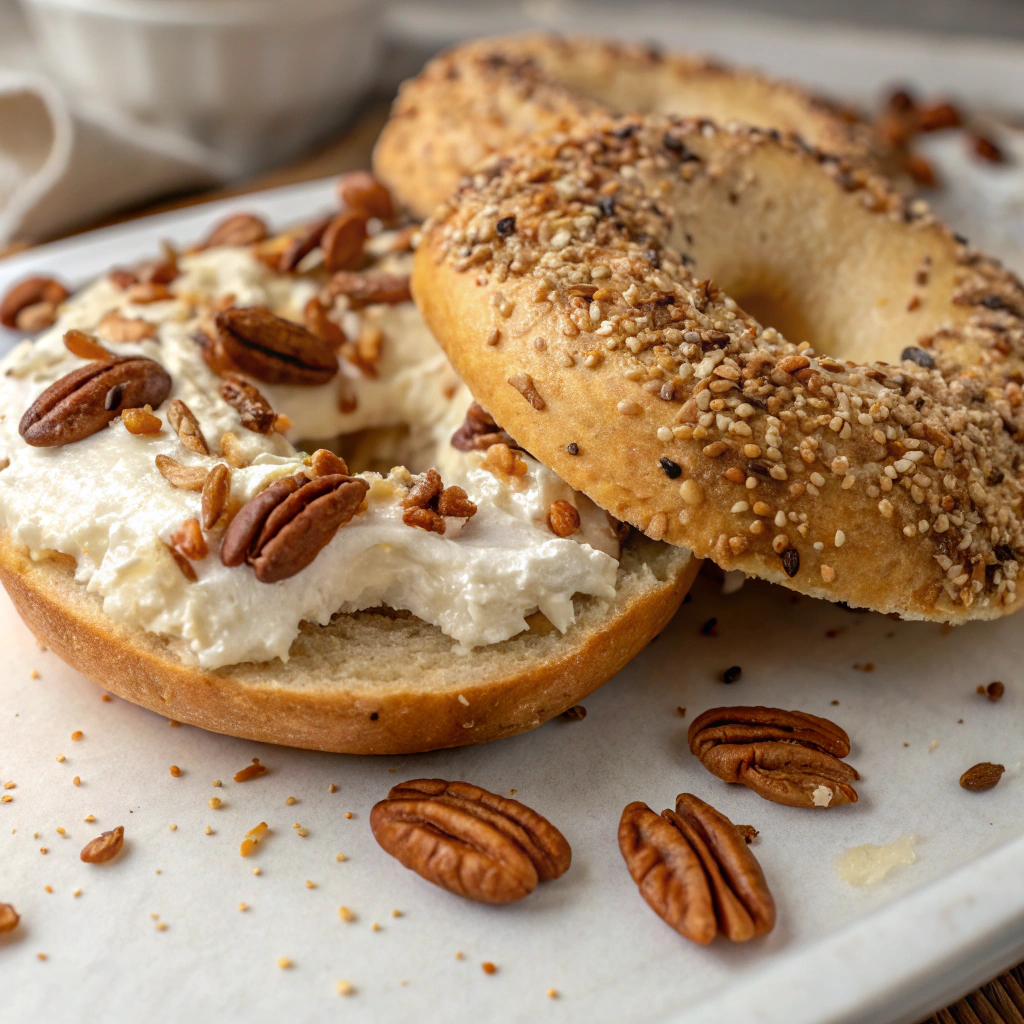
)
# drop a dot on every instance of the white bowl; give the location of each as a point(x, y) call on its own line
point(254, 80)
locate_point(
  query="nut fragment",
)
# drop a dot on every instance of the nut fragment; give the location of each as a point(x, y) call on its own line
point(302, 244)
point(250, 771)
point(183, 564)
point(216, 489)
point(9, 918)
point(30, 292)
point(282, 529)
point(788, 757)
point(187, 478)
point(370, 288)
point(315, 317)
point(189, 540)
point(254, 409)
point(695, 871)
point(87, 399)
point(523, 383)
point(454, 502)
point(85, 346)
point(342, 241)
point(36, 317)
point(125, 330)
point(479, 431)
point(104, 847)
point(186, 426)
point(238, 229)
point(272, 349)
point(141, 421)
point(326, 463)
point(473, 843)
point(983, 775)
point(563, 518)
point(146, 292)
point(360, 190)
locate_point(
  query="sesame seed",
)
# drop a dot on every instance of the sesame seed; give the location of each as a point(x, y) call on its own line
point(691, 492)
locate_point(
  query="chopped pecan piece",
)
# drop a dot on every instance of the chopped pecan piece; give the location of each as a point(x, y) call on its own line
point(161, 270)
point(216, 489)
point(788, 757)
point(9, 918)
point(479, 431)
point(315, 317)
point(695, 871)
point(125, 330)
point(982, 776)
point(424, 491)
point(473, 843)
point(503, 460)
point(253, 408)
point(104, 847)
point(523, 383)
point(187, 478)
point(85, 346)
point(122, 278)
point(360, 190)
point(370, 288)
point(302, 244)
point(282, 529)
point(146, 292)
point(189, 540)
point(238, 229)
point(33, 291)
point(186, 426)
point(272, 349)
point(453, 501)
point(326, 463)
point(141, 421)
point(563, 519)
point(342, 241)
point(87, 399)
point(183, 564)
point(424, 519)
point(233, 451)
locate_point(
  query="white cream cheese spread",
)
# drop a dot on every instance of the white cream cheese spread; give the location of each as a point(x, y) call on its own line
point(102, 501)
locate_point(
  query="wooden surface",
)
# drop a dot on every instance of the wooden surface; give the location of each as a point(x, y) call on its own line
point(1001, 1001)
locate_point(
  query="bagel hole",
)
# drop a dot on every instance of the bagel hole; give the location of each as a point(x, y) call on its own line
point(781, 310)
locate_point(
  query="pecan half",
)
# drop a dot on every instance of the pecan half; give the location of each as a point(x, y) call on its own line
point(473, 843)
point(104, 847)
point(342, 241)
point(695, 871)
point(238, 229)
point(87, 399)
point(272, 349)
point(370, 288)
point(788, 757)
point(33, 291)
point(282, 529)
point(360, 190)
point(479, 431)
point(254, 409)
point(186, 426)
point(302, 244)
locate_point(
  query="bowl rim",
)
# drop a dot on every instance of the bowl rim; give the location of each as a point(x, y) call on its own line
point(202, 12)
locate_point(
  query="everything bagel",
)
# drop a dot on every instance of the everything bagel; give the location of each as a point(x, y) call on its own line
point(488, 95)
point(591, 293)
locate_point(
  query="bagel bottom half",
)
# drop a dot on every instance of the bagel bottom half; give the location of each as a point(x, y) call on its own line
point(369, 683)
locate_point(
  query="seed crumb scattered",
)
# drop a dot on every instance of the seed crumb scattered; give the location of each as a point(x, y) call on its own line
point(217, 782)
point(681, 711)
point(60, 757)
point(154, 916)
point(345, 914)
point(345, 988)
point(257, 871)
point(310, 885)
point(552, 993)
point(458, 956)
point(291, 800)
point(283, 962)
point(243, 906)
point(994, 691)
point(214, 803)
point(43, 849)
point(47, 888)
point(76, 781)
point(172, 827)
point(61, 831)
point(348, 814)
point(396, 913)
point(173, 724)
point(332, 788)
point(8, 785)
point(106, 698)
point(208, 830)
point(488, 967)
point(340, 857)
point(77, 735)
point(375, 927)
point(175, 771)
point(89, 817)
point(6, 798)
point(161, 926)
point(513, 792)
point(300, 831)
point(41, 956)
point(251, 771)
point(34, 674)
point(933, 746)
point(77, 893)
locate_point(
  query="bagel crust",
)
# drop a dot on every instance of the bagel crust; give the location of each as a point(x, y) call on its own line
point(486, 96)
point(369, 683)
point(885, 473)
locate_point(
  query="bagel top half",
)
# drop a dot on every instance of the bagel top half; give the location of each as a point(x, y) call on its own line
point(486, 96)
point(592, 291)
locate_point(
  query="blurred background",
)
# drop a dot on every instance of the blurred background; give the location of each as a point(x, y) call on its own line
point(108, 106)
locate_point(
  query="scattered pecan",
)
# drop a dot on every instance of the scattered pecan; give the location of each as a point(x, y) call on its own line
point(479, 431)
point(302, 244)
point(232, 450)
point(122, 278)
point(146, 292)
point(238, 229)
point(282, 529)
point(748, 833)
point(471, 842)
point(424, 519)
point(326, 463)
point(33, 291)
point(272, 349)
point(523, 383)
point(183, 564)
point(342, 241)
point(251, 405)
point(161, 270)
point(87, 399)
point(104, 847)
point(9, 918)
point(788, 757)
point(186, 426)
point(454, 502)
point(370, 288)
point(216, 489)
point(315, 317)
point(141, 421)
point(424, 491)
point(503, 460)
point(187, 478)
point(360, 190)
point(85, 346)
point(563, 519)
point(365, 353)
point(125, 330)
point(982, 776)
point(189, 540)
point(251, 771)
point(695, 871)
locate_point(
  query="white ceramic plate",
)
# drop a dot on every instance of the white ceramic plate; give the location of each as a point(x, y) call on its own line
point(890, 953)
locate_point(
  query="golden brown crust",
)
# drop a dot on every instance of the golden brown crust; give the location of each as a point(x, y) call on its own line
point(886, 474)
point(367, 683)
point(485, 96)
